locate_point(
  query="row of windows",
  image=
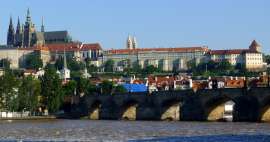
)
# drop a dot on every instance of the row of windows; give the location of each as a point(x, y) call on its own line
point(255, 59)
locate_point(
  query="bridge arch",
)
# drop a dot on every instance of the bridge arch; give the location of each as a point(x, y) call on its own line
point(220, 109)
point(128, 110)
point(264, 113)
point(171, 110)
point(95, 110)
point(235, 108)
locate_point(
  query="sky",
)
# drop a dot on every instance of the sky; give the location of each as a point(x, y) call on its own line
point(218, 24)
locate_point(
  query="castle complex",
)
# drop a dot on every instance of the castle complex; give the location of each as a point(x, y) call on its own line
point(26, 39)
point(26, 35)
point(49, 45)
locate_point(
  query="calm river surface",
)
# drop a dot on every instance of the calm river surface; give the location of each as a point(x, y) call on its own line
point(87, 130)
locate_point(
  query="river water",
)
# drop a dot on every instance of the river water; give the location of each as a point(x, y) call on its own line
point(134, 131)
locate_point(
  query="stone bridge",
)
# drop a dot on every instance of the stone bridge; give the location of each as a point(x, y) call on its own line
point(204, 105)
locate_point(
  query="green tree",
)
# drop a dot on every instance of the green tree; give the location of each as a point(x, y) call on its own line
point(85, 87)
point(29, 93)
point(52, 91)
point(72, 64)
point(92, 68)
point(150, 69)
point(5, 63)
point(108, 66)
point(8, 91)
point(137, 68)
point(106, 87)
point(33, 61)
point(191, 65)
point(70, 88)
point(59, 63)
point(225, 66)
point(266, 58)
point(120, 89)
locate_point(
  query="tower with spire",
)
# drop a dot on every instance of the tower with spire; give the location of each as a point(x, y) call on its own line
point(42, 25)
point(29, 30)
point(134, 43)
point(19, 34)
point(129, 42)
point(10, 34)
point(65, 72)
point(255, 46)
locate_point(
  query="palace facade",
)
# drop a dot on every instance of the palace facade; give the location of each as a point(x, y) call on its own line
point(178, 58)
point(251, 58)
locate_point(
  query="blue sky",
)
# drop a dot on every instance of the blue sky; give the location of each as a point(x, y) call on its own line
point(219, 24)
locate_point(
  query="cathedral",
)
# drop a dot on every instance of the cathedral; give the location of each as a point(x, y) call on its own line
point(26, 34)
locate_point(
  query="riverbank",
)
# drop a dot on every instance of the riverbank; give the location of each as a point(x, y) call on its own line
point(29, 118)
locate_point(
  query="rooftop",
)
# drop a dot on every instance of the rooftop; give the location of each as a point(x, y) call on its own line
point(60, 47)
point(138, 50)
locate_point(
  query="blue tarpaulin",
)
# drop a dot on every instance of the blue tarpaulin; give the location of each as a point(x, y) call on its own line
point(135, 87)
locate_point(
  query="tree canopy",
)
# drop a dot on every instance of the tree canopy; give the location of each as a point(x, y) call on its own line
point(33, 61)
point(8, 91)
point(52, 92)
point(108, 66)
point(29, 93)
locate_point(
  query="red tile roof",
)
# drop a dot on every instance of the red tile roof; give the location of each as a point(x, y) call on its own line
point(133, 51)
point(233, 51)
point(225, 52)
point(159, 81)
point(68, 47)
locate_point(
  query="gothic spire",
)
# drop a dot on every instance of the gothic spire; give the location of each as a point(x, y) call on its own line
point(28, 16)
point(18, 34)
point(18, 29)
point(11, 23)
point(42, 26)
point(11, 34)
point(65, 59)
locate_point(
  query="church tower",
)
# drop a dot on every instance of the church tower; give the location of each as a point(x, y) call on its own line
point(19, 35)
point(29, 30)
point(65, 72)
point(11, 34)
point(42, 26)
point(134, 43)
point(129, 43)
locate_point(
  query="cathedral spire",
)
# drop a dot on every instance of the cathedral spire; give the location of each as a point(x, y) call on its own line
point(42, 25)
point(18, 29)
point(11, 34)
point(28, 16)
